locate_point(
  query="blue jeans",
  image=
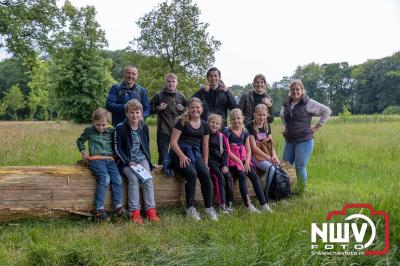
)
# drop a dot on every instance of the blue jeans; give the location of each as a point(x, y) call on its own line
point(106, 172)
point(298, 153)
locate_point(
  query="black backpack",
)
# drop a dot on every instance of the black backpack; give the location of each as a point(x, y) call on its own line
point(277, 185)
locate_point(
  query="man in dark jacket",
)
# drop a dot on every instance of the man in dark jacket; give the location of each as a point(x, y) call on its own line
point(168, 105)
point(121, 93)
point(216, 98)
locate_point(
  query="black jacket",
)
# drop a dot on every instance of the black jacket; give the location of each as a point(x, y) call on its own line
point(123, 143)
point(215, 150)
point(216, 101)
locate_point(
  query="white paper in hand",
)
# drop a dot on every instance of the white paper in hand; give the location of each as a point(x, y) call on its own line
point(141, 172)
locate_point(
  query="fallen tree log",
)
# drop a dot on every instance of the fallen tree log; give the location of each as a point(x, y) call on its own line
point(54, 191)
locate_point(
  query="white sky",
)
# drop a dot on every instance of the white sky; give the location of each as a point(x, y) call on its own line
point(273, 37)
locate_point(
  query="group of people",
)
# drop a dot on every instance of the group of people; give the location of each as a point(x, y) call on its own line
point(193, 140)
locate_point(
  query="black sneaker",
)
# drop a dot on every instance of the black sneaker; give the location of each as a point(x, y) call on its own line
point(101, 216)
point(120, 214)
point(229, 207)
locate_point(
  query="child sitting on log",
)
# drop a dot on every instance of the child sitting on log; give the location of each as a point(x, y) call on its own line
point(100, 138)
point(218, 164)
point(132, 148)
point(239, 161)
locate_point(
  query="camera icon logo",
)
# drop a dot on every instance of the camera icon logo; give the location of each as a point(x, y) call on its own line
point(356, 232)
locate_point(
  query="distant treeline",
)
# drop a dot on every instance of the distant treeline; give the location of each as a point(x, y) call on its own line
point(61, 70)
point(364, 89)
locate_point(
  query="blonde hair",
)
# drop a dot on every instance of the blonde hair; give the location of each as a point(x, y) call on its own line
point(133, 104)
point(185, 117)
point(235, 112)
point(170, 75)
point(260, 108)
point(215, 117)
point(100, 114)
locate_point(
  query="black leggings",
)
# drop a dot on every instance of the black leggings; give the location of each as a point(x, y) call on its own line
point(222, 183)
point(189, 173)
point(243, 185)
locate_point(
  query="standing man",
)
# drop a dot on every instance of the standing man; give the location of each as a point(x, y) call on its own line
point(121, 93)
point(215, 96)
point(168, 104)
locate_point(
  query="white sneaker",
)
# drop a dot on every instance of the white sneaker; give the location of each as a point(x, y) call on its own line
point(265, 208)
point(223, 209)
point(193, 213)
point(252, 209)
point(212, 214)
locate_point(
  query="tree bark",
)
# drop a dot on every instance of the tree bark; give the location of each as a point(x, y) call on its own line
point(54, 191)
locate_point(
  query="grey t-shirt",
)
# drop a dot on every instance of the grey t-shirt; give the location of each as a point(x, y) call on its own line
point(137, 154)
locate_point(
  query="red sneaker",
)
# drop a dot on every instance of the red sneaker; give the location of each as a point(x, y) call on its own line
point(152, 216)
point(135, 217)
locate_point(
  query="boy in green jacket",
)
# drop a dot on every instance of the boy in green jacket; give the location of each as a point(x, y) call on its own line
point(100, 137)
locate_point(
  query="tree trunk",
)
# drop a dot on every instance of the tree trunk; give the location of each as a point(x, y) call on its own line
point(53, 191)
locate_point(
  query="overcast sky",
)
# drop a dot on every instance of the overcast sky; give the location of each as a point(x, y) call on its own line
point(273, 37)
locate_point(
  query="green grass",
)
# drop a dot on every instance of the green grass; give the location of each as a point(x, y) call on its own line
point(353, 162)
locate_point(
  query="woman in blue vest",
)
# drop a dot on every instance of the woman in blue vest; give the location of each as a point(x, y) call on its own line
point(296, 114)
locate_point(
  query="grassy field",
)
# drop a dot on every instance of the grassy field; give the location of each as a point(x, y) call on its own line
point(354, 161)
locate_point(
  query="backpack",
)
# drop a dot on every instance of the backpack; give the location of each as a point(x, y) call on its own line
point(178, 98)
point(136, 91)
point(238, 150)
point(277, 185)
point(228, 132)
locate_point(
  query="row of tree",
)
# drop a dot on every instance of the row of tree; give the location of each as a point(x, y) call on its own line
point(362, 89)
point(60, 66)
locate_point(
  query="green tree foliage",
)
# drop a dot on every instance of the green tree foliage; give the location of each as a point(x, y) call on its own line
point(345, 114)
point(13, 71)
point(312, 77)
point(377, 84)
point(173, 32)
point(39, 86)
point(80, 75)
point(14, 100)
point(237, 91)
point(337, 83)
point(25, 25)
point(3, 108)
point(278, 92)
point(392, 110)
point(151, 69)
